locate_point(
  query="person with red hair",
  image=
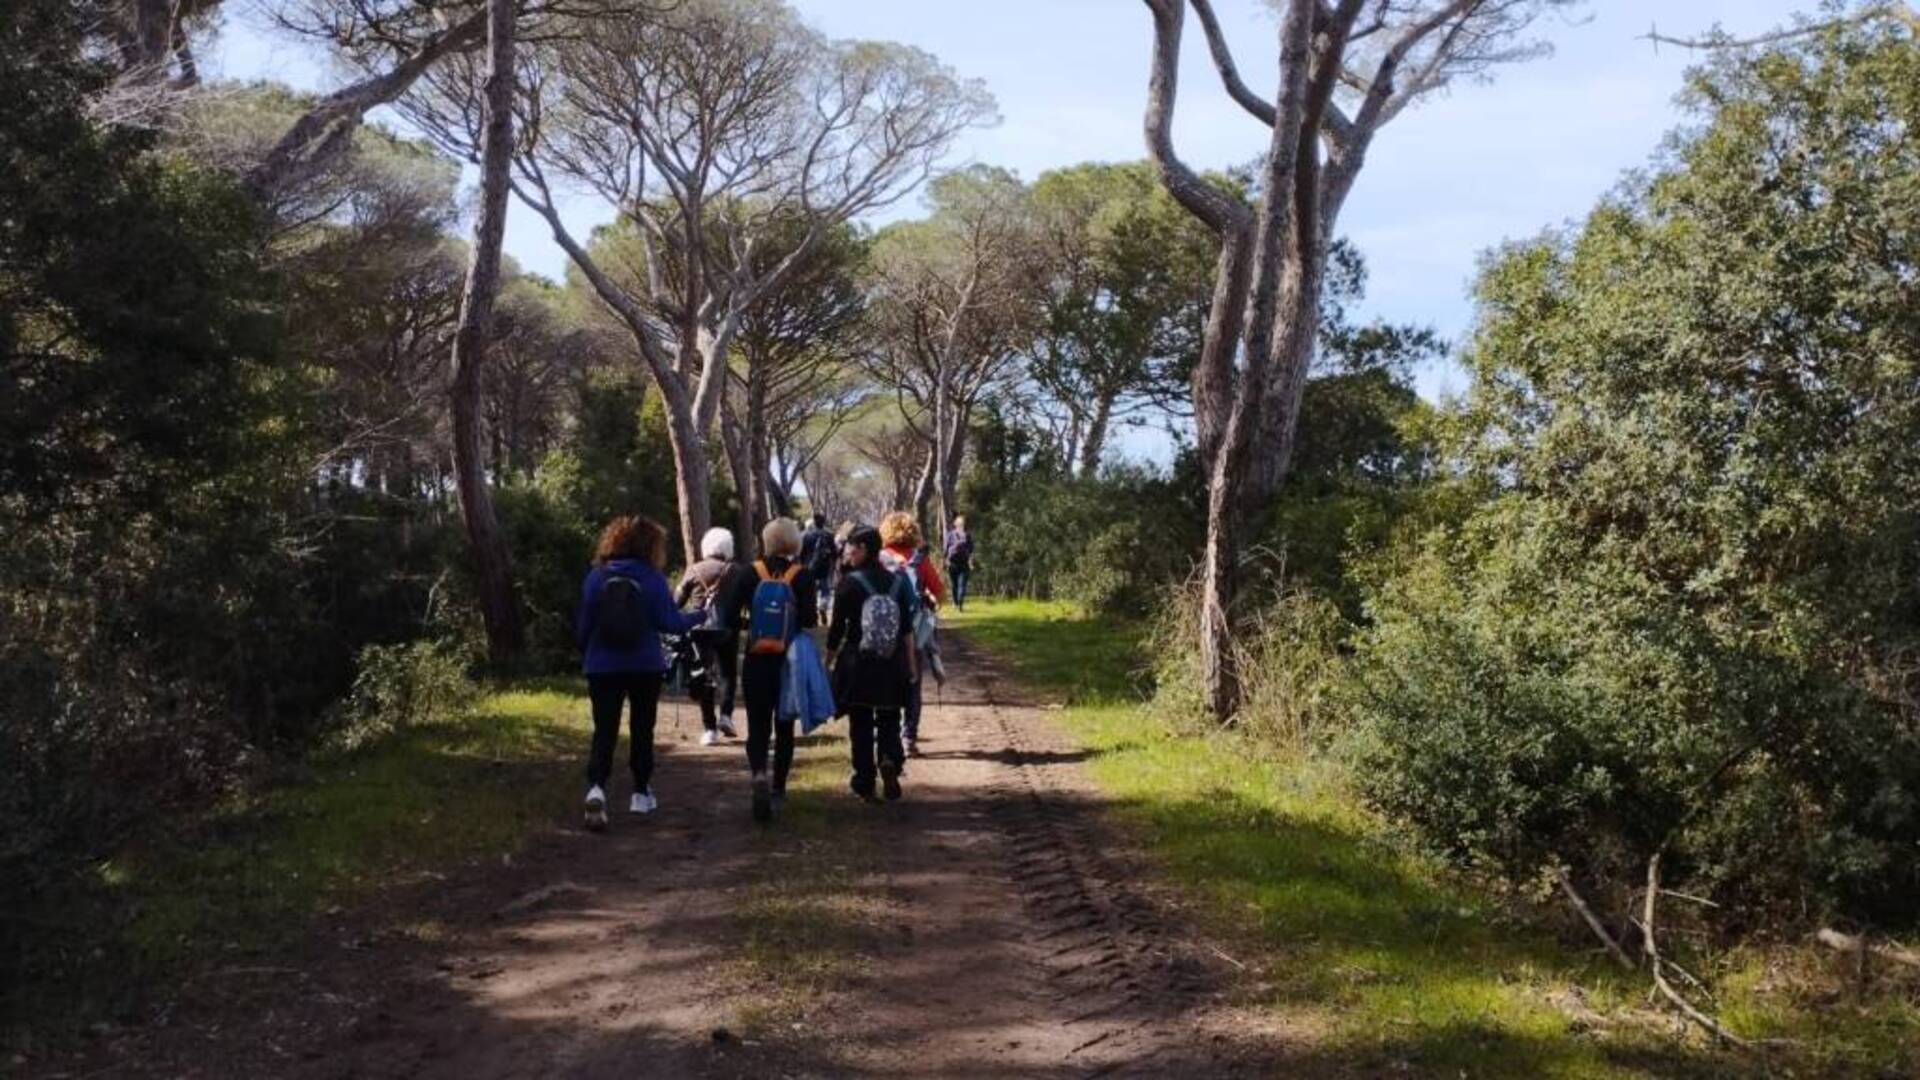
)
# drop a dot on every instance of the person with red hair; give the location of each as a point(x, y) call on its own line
point(903, 553)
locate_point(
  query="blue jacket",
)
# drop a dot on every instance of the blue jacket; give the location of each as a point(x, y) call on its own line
point(647, 655)
point(805, 692)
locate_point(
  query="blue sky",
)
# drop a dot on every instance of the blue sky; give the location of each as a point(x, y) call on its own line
point(1533, 148)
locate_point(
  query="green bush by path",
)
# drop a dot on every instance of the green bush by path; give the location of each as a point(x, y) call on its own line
point(1383, 959)
point(1684, 616)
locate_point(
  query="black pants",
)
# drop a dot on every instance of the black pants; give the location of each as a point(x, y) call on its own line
point(608, 693)
point(723, 674)
point(760, 685)
point(913, 702)
point(863, 724)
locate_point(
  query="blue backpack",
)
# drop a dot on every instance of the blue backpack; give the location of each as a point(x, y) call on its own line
point(770, 621)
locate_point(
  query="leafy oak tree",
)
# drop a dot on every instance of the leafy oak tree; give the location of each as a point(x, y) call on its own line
point(1675, 643)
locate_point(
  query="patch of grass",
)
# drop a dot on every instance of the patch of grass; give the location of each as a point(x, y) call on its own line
point(1052, 647)
point(1393, 964)
point(243, 879)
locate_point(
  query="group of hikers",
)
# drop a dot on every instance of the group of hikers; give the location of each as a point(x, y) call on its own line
point(876, 592)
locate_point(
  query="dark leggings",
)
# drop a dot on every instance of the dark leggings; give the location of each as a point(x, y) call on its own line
point(723, 674)
point(863, 725)
point(914, 689)
point(608, 693)
point(763, 728)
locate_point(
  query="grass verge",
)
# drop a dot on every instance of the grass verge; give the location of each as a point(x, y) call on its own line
point(241, 881)
point(1381, 961)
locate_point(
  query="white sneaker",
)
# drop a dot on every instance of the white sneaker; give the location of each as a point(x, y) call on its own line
point(727, 728)
point(709, 738)
point(596, 808)
point(643, 802)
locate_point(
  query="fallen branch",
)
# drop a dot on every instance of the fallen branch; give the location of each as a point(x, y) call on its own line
point(1593, 921)
point(1834, 939)
point(1227, 958)
point(1650, 944)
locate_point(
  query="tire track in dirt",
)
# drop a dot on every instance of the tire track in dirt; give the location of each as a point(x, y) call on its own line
point(1117, 976)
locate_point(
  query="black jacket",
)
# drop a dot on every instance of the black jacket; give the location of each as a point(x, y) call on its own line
point(858, 678)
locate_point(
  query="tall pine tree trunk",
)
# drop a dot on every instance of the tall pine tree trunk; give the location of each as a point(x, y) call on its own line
point(746, 492)
point(759, 444)
point(1213, 394)
point(1095, 442)
point(692, 481)
point(493, 564)
point(925, 485)
point(950, 461)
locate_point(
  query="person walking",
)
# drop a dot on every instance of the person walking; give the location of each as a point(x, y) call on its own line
point(818, 552)
point(870, 651)
point(959, 550)
point(718, 637)
point(778, 600)
point(624, 608)
point(900, 534)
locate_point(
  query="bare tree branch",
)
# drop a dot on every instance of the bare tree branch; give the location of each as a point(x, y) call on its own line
point(1900, 13)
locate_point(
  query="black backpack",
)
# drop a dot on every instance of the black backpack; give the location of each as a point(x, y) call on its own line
point(622, 618)
point(816, 552)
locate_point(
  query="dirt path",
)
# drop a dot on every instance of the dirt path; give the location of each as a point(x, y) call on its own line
point(987, 925)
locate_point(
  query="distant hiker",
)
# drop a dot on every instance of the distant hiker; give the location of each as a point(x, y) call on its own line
point(870, 649)
point(718, 638)
point(818, 553)
point(901, 535)
point(779, 601)
point(624, 608)
point(959, 560)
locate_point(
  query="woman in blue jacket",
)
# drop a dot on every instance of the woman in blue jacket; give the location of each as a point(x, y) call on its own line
point(625, 606)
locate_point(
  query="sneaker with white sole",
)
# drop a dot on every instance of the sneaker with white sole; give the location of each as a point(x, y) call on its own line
point(596, 818)
point(709, 738)
point(643, 802)
point(727, 728)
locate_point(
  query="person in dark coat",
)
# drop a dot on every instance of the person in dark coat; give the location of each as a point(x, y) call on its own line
point(760, 672)
point(959, 553)
point(873, 689)
point(625, 606)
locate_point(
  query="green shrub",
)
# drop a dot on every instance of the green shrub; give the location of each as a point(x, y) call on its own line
point(1116, 545)
point(1525, 706)
point(1291, 663)
point(405, 686)
point(1685, 621)
point(552, 545)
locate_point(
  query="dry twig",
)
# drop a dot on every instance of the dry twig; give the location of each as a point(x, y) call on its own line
point(1593, 921)
point(1649, 943)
